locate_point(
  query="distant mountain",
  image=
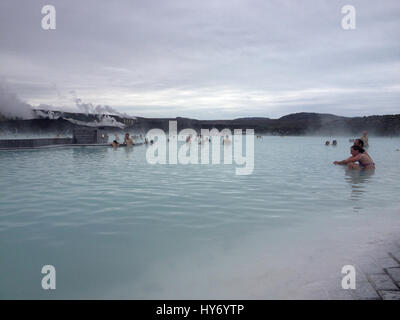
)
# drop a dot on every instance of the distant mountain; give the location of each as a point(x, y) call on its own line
point(292, 124)
point(252, 118)
point(310, 116)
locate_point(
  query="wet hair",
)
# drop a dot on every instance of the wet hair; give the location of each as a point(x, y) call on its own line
point(360, 142)
point(358, 148)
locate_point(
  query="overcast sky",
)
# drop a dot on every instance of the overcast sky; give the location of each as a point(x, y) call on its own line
point(204, 59)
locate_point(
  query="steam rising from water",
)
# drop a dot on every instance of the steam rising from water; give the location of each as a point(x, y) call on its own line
point(99, 109)
point(104, 120)
point(12, 107)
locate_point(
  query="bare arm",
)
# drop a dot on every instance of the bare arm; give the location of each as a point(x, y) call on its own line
point(350, 159)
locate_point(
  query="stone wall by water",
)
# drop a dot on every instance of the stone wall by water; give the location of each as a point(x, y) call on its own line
point(34, 143)
point(89, 136)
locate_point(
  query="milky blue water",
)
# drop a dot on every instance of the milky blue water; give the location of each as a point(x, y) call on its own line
point(115, 226)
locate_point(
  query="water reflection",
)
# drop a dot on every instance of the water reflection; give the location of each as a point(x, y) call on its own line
point(358, 181)
point(128, 151)
point(95, 152)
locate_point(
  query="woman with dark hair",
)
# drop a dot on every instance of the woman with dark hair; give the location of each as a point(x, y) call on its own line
point(115, 144)
point(359, 142)
point(358, 154)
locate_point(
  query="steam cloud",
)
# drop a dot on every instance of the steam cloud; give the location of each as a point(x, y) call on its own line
point(99, 109)
point(11, 107)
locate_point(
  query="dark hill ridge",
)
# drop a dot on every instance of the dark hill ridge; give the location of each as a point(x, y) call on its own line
point(310, 116)
point(292, 124)
point(253, 118)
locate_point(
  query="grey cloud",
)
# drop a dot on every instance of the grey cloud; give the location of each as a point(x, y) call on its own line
point(115, 50)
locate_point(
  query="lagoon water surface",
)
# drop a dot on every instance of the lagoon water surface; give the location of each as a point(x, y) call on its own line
point(115, 226)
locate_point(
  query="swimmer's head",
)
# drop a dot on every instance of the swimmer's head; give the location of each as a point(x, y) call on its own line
point(355, 150)
point(359, 142)
point(127, 135)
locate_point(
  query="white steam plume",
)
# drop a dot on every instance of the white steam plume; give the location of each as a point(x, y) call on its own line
point(11, 107)
point(99, 109)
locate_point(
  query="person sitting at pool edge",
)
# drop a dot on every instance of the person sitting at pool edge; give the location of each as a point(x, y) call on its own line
point(128, 141)
point(358, 154)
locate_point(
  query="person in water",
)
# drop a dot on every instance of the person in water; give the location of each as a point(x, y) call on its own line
point(358, 154)
point(128, 141)
point(359, 142)
point(226, 140)
point(327, 143)
point(364, 139)
point(334, 143)
point(115, 144)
